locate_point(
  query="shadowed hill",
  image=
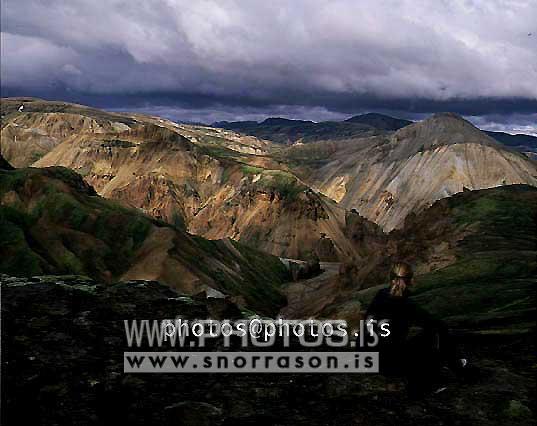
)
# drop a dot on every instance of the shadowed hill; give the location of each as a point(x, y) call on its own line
point(520, 142)
point(379, 121)
point(478, 252)
point(285, 131)
point(475, 257)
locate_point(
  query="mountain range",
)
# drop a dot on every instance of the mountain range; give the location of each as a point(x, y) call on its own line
point(286, 131)
point(289, 200)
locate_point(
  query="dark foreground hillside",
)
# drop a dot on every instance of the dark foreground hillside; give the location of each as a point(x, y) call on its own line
point(63, 341)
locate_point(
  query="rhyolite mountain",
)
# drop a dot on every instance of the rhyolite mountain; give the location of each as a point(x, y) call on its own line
point(208, 190)
point(213, 182)
point(32, 127)
point(53, 222)
point(385, 178)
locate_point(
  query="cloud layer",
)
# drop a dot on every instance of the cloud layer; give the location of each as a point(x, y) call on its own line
point(478, 57)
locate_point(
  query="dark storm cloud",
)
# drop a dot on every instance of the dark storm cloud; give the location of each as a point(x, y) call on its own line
point(306, 59)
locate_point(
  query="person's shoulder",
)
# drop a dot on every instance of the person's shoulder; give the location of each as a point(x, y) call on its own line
point(383, 293)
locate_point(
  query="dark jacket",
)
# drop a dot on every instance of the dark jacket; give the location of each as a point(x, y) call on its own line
point(401, 313)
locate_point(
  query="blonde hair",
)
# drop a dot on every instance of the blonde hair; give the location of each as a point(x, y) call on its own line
point(400, 278)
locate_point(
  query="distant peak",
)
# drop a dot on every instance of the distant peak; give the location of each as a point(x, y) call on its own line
point(445, 128)
point(440, 115)
point(277, 121)
point(445, 122)
point(379, 121)
point(370, 115)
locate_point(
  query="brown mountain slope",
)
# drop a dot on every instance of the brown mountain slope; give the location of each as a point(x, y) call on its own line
point(52, 222)
point(387, 178)
point(214, 182)
point(210, 192)
point(274, 211)
point(149, 167)
point(33, 127)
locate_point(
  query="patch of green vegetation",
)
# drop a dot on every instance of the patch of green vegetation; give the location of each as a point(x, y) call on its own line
point(284, 183)
point(251, 170)
point(499, 218)
point(107, 234)
point(69, 263)
point(499, 211)
point(226, 174)
point(61, 207)
point(252, 274)
point(217, 151)
point(36, 156)
point(480, 286)
point(138, 229)
point(264, 275)
point(208, 246)
point(16, 255)
point(63, 173)
point(122, 234)
point(12, 179)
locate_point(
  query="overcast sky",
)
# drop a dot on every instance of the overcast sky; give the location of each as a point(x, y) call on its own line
point(232, 60)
